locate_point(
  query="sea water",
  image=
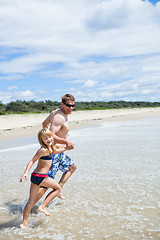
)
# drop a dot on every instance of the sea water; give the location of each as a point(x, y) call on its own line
point(114, 193)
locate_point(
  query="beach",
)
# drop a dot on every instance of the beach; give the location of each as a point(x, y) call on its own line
point(113, 194)
point(23, 125)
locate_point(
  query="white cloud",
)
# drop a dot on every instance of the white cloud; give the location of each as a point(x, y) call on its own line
point(8, 96)
point(59, 27)
point(24, 95)
point(11, 77)
point(28, 63)
point(89, 83)
point(5, 97)
point(99, 43)
point(118, 14)
point(12, 87)
point(132, 90)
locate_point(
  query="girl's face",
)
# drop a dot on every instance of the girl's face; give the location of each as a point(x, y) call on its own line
point(48, 140)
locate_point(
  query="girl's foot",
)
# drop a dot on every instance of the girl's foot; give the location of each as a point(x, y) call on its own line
point(61, 196)
point(23, 226)
point(44, 210)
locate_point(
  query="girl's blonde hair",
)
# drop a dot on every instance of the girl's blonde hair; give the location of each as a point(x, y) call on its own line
point(43, 133)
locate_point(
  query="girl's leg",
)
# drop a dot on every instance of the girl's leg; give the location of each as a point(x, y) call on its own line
point(49, 182)
point(31, 201)
point(40, 193)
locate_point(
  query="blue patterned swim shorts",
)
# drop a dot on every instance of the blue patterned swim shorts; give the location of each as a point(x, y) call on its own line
point(60, 162)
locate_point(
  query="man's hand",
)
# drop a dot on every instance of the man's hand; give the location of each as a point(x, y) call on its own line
point(70, 145)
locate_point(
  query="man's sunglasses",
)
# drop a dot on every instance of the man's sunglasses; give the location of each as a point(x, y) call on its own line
point(69, 105)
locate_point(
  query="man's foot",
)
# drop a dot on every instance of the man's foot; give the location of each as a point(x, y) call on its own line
point(61, 196)
point(44, 210)
point(23, 226)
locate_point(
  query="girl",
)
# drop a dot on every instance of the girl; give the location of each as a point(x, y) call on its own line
point(40, 175)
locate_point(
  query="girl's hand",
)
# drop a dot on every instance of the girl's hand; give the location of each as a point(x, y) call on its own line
point(23, 176)
point(70, 145)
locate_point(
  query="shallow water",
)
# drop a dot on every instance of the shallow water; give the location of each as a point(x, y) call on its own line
point(114, 193)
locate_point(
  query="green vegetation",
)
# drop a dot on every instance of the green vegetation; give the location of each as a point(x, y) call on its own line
point(47, 106)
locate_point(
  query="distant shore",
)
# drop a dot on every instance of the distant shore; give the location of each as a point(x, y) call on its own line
point(23, 125)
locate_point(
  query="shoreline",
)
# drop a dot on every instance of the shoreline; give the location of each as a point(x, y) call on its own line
point(29, 124)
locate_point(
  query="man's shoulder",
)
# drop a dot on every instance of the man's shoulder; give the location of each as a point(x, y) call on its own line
point(57, 115)
point(54, 112)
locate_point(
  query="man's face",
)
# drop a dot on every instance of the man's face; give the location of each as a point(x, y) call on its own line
point(68, 106)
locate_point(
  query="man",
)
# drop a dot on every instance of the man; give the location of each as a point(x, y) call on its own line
point(59, 127)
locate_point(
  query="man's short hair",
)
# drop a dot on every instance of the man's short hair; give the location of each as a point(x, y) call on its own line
point(68, 97)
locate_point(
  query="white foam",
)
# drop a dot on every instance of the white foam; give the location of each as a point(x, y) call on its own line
point(25, 147)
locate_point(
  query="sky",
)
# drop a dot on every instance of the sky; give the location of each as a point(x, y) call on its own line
point(99, 50)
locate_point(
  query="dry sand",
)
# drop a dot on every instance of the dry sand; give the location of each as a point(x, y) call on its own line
point(23, 125)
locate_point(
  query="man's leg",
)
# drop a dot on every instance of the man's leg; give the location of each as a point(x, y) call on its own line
point(65, 164)
point(64, 178)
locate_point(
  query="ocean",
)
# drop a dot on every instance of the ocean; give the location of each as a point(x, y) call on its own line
point(114, 194)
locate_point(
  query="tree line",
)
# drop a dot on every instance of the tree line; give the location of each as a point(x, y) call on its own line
point(47, 106)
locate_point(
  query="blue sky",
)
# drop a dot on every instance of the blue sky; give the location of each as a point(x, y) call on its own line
point(99, 50)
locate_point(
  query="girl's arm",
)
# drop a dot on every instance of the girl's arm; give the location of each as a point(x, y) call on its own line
point(30, 164)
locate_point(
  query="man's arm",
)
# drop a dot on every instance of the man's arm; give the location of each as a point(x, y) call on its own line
point(69, 144)
point(47, 121)
point(56, 124)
